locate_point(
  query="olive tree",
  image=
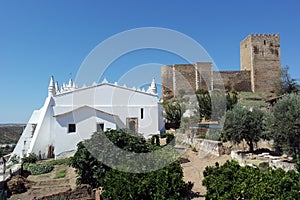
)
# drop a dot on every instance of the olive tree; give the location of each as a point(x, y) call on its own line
point(243, 124)
point(282, 125)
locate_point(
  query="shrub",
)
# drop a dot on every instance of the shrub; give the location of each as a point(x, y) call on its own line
point(37, 169)
point(194, 149)
point(170, 138)
point(31, 158)
point(14, 159)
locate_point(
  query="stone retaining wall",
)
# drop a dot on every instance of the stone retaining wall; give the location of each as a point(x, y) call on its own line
point(210, 146)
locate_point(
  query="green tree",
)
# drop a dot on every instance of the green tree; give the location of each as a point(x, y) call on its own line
point(173, 110)
point(243, 124)
point(286, 84)
point(165, 183)
point(213, 105)
point(282, 125)
point(231, 181)
point(231, 100)
point(204, 104)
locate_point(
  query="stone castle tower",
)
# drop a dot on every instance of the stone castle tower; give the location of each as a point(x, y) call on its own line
point(260, 54)
point(260, 70)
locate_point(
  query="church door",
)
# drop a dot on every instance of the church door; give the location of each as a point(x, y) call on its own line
point(132, 124)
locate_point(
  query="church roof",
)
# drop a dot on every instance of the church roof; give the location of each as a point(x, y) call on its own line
point(152, 91)
point(72, 109)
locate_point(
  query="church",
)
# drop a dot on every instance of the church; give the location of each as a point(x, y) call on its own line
point(71, 114)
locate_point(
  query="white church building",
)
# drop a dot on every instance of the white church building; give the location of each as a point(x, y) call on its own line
point(71, 114)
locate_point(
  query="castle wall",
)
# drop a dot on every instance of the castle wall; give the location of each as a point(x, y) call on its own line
point(185, 78)
point(204, 76)
point(167, 82)
point(232, 80)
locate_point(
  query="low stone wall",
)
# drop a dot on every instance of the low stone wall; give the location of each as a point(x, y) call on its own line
point(210, 146)
point(247, 159)
point(281, 164)
point(81, 192)
point(213, 147)
point(13, 171)
point(65, 154)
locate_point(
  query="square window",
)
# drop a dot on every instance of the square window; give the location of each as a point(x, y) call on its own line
point(100, 127)
point(72, 128)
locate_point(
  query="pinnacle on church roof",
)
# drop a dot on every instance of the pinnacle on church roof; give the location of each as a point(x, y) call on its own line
point(51, 88)
point(104, 80)
point(51, 84)
point(56, 87)
point(152, 88)
point(70, 83)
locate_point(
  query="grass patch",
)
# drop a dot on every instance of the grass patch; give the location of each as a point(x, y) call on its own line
point(249, 103)
point(251, 95)
point(63, 161)
point(60, 173)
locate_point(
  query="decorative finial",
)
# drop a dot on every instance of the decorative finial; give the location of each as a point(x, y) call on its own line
point(104, 80)
point(152, 89)
point(51, 88)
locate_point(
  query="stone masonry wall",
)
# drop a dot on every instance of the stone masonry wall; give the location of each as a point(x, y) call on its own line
point(167, 82)
point(185, 78)
point(260, 70)
point(204, 77)
point(260, 53)
point(232, 80)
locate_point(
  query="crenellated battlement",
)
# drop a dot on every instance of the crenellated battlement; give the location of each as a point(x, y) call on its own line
point(264, 35)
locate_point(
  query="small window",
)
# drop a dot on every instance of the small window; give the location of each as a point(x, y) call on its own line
point(265, 42)
point(72, 128)
point(100, 127)
point(142, 113)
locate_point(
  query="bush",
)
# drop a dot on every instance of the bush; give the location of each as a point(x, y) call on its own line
point(231, 181)
point(170, 138)
point(164, 183)
point(36, 169)
point(14, 159)
point(31, 158)
point(194, 149)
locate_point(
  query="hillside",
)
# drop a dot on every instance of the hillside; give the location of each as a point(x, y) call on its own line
point(10, 134)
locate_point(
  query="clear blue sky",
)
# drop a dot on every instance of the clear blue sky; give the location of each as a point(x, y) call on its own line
point(43, 38)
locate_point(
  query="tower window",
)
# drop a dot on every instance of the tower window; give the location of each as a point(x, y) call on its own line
point(142, 113)
point(264, 42)
point(72, 128)
point(255, 49)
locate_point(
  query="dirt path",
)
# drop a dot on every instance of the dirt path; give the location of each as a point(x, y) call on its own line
point(193, 170)
point(45, 184)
